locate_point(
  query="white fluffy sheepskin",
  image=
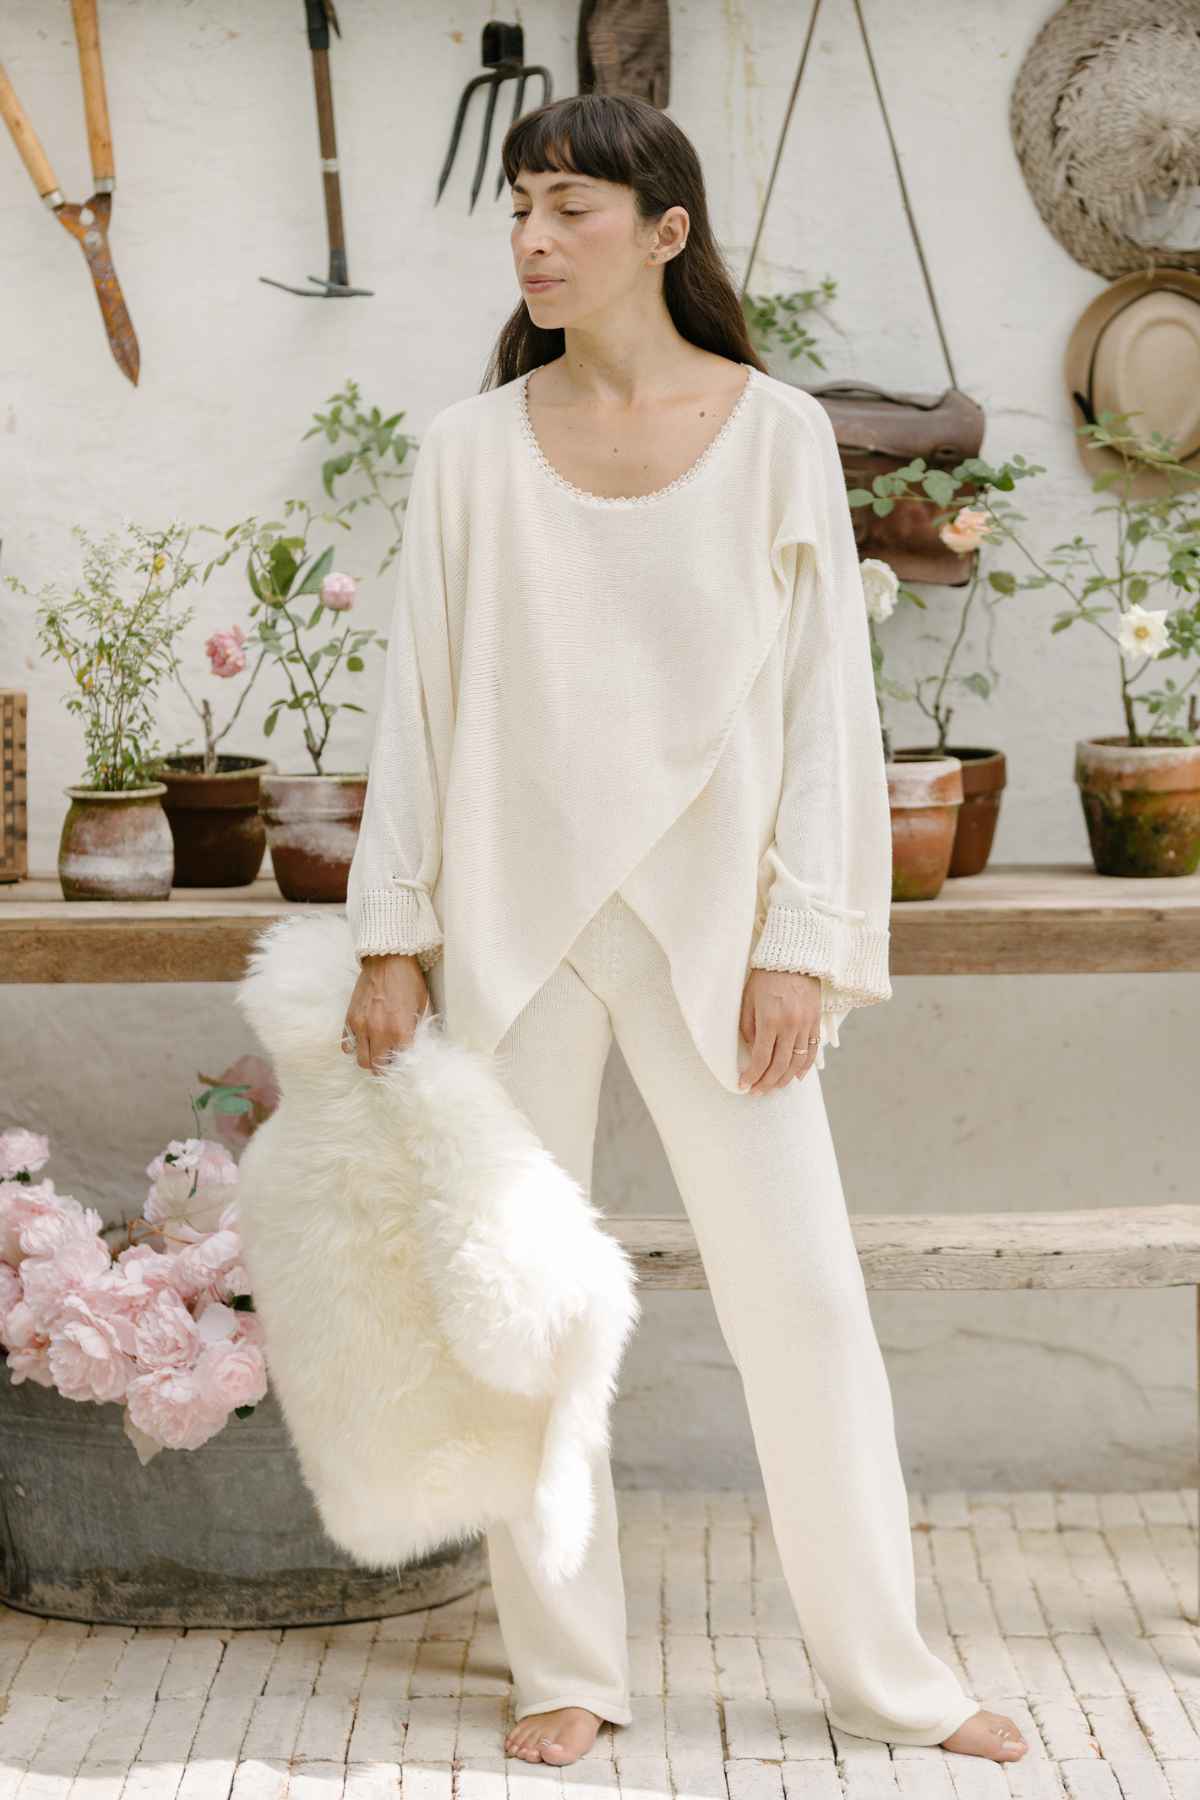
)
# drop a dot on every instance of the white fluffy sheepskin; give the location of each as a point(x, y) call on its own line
point(444, 1315)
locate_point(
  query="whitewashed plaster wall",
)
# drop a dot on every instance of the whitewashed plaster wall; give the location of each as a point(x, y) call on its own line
point(962, 1093)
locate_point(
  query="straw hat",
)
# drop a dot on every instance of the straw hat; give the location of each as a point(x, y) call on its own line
point(1136, 349)
point(1105, 116)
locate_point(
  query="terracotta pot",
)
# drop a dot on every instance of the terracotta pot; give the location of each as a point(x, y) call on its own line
point(116, 844)
point(984, 777)
point(312, 827)
point(925, 790)
point(220, 838)
point(1142, 805)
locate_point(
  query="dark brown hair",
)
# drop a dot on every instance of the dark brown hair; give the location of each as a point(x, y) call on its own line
point(618, 137)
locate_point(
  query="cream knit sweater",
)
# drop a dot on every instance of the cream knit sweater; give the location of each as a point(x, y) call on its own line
point(669, 694)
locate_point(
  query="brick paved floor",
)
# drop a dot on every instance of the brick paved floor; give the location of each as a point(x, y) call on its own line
point(1075, 1613)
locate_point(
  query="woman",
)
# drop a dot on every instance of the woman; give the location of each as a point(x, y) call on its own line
point(628, 781)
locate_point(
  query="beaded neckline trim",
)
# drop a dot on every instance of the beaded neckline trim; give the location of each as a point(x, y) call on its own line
point(655, 494)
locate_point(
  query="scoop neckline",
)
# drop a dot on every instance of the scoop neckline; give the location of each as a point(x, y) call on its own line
point(656, 494)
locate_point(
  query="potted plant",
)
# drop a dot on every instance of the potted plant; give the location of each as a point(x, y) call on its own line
point(925, 788)
point(312, 815)
point(967, 530)
point(128, 1340)
point(114, 635)
point(212, 798)
point(1140, 790)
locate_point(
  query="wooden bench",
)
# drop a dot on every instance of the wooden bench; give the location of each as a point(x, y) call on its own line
point(1012, 919)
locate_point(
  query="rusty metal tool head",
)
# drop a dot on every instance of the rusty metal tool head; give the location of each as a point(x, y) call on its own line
point(503, 56)
point(88, 223)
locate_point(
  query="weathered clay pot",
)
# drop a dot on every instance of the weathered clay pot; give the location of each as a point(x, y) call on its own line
point(220, 838)
point(223, 1536)
point(984, 776)
point(116, 844)
point(925, 791)
point(312, 827)
point(1142, 805)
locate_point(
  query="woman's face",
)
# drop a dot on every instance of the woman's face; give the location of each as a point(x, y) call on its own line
point(579, 246)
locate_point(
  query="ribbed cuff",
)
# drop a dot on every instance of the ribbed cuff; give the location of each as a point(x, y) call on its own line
point(850, 956)
point(397, 921)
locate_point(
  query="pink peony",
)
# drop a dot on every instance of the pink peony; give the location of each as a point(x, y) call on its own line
point(165, 1334)
point(966, 530)
point(21, 1152)
point(10, 1296)
point(42, 1229)
point(142, 1272)
point(337, 592)
point(225, 653)
point(48, 1280)
point(205, 1262)
point(187, 1164)
point(234, 1373)
point(85, 1356)
point(31, 1364)
point(262, 1091)
point(176, 1407)
point(19, 1201)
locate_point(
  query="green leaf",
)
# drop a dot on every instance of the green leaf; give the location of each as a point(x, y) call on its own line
point(355, 663)
point(271, 721)
point(283, 566)
point(1002, 581)
point(311, 583)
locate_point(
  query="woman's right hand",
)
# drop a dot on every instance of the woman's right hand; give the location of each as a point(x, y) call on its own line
point(388, 999)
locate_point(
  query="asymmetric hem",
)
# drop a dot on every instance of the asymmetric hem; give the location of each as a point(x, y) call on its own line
point(667, 695)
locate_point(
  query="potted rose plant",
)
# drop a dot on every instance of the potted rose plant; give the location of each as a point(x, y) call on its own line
point(924, 789)
point(1140, 789)
point(968, 531)
point(312, 816)
point(114, 634)
point(212, 798)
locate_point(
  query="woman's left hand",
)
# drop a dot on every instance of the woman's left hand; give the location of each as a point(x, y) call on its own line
point(781, 1011)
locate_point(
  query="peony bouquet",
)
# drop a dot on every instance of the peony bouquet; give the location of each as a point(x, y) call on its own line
point(165, 1325)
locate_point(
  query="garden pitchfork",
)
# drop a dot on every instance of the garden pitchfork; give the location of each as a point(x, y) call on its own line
point(503, 54)
point(87, 224)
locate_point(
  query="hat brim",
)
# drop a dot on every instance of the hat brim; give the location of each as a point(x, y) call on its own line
point(1078, 363)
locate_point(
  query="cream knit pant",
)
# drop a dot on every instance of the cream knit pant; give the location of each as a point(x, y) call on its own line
point(759, 1179)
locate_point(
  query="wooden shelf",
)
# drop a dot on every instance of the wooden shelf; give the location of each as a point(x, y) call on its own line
point(1014, 919)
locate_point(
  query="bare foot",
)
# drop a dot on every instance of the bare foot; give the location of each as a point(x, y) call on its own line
point(571, 1729)
point(987, 1734)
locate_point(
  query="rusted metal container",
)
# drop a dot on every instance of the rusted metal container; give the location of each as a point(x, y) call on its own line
point(223, 1536)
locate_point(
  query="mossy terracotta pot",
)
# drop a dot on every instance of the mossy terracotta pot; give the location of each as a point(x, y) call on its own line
point(116, 844)
point(219, 833)
point(1142, 805)
point(925, 789)
point(984, 777)
point(312, 826)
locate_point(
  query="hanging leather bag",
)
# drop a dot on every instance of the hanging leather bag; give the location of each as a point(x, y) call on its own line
point(880, 429)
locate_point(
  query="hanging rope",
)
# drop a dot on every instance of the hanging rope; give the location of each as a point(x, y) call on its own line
point(787, 119)
point(908, 211)
point(903, 186)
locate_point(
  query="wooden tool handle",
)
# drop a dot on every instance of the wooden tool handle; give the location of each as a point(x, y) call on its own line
point(25, 138)
point(95, 103)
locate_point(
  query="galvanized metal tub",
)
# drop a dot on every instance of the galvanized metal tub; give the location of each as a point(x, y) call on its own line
point(223, 1536)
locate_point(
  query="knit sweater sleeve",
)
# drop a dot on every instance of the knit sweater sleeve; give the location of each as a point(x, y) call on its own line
point(397, 856)
point(828, 896)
